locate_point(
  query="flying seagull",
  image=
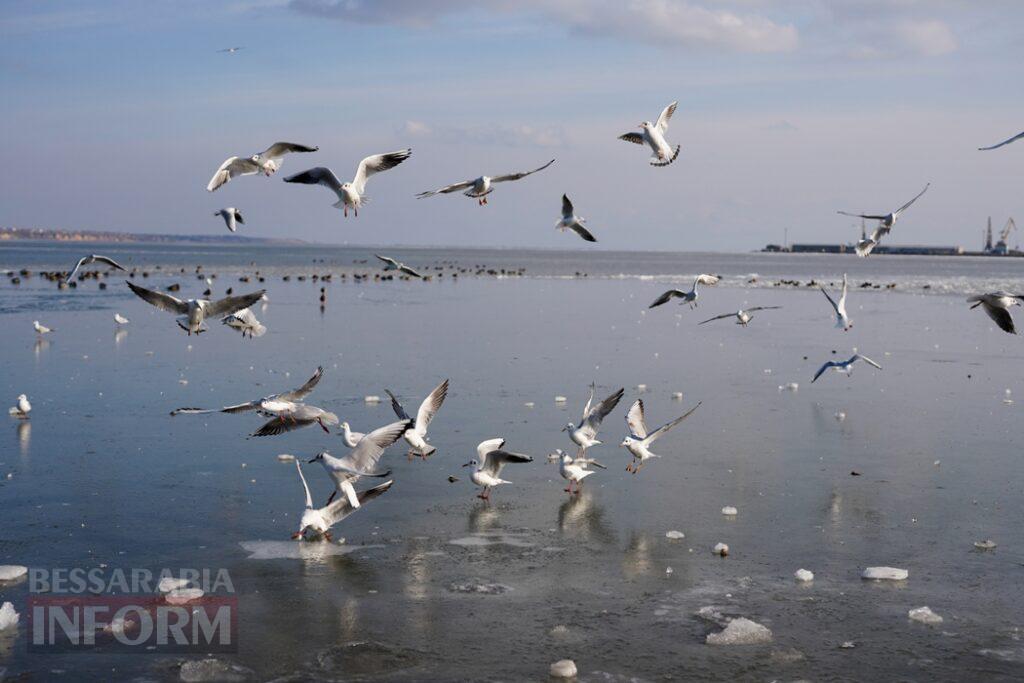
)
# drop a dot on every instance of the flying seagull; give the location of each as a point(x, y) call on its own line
point(21, 409)
point(653, 135)
point(41, 329)
point(1016, 137)
point(416, 434)
point(487, 466)
point(361, 461)
point(585, 435)
point(392, 264)
point(687, 297)
point(885, 223)
point(842, 320)
point(266, 162)
point(351, 193)
point(232, 50)
point(997, 306)
point(482, 186)
point(232, 217)
point(845, 366)
point(192, 312)
point(295, 416)
point(570, 221)
point(317, 522)
point(575, 470)
point(638, 441)
point(742, 316)
point(93, 258)
point(267, 404)
point(245, 322)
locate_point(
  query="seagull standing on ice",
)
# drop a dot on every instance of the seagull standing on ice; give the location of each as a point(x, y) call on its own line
point(575, 470)
point(193, 312)
point(21, 409)
point(570, 221)
point(93, 258)
point(232, 217)
point(1016, 137)
point(653, 135)
point(997, 306)
point(41, 329)
point(842, 319)
point(885, 223)
point(491, 460)
point(585, 435)
point(481, 187)
point(317, 522)
point(267, 162)
point(845, 366)
point(638, 441)
point(245, 321)
point(687, 297)
point(742, 316)
point(392, 264)
point(351, 194)
point(360, 462)
point(350, 438)
point(416, 434)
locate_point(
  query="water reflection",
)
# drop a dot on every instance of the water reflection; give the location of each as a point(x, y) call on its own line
point(581, 517)
point(40, 346)
point(119, 336)
point(636, 561)
point(24, 436)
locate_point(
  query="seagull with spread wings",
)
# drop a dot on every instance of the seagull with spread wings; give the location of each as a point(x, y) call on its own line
point(267, 162)
point(575, 470)
point(245, 321)
point(844, 366)
point(490, 461)
point(93, 258)
point(361, 461)
point(392, 264)
point(193, 312)
point(1016, 137)
point(997, 306)
point(232, 217)
point(638, 441)
point(687, 297)
point(268, 404)
point(316, 523)
point(585, 435)
point(885, 223)
point(351, 194)
point(742, 316)
point(570, 221)
point(416, 434)
point(843, 321)
point(480, 187)
point(653, 135)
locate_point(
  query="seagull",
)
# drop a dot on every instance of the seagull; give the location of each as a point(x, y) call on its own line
point(491, 460)
point(1016, 137)
point(742, 316)
point(267, 404)
point(41, 329)
point(585, 435)
point(687, 297)
point(266, 162)
point(482, 186)
point(575, 470)
point(294, 416)
point(193, 311)
point(350, 438)
point(653, 135)
point(232, 50)
point(392, 264)
point(317, 522)
point(93, 258)
point(638, 442)
point(416, 434)
point(21, 409)
point(120, 319)
point(245, 322)
point(997, 306)
point(842, 320)
point(845, 366)
point(361, 461)
point(570, 221)
point(231, 216)
point(352, 193)
point(885, 223)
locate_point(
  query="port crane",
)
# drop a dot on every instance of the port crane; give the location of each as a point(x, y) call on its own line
point(1003, 245)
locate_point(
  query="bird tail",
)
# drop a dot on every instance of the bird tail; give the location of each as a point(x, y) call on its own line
point(429, 450)
point(665, 162)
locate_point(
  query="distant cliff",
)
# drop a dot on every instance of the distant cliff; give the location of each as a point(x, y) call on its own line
point(98, 236)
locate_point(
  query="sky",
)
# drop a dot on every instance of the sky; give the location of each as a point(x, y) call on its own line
point(117, 113)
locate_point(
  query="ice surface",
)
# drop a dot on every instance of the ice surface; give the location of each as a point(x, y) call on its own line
point(804, 575)
point(925, 615)
point(563, 668)
point(675, 535)
point(8, 617)
point(885, 574)
point(298, 550)
point(209, 670)
point(12, 572)
point(489, 538)
point(741, 631)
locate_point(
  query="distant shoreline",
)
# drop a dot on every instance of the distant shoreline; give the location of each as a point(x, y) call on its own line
point(53, 235)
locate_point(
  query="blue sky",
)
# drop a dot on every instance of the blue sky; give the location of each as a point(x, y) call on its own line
point(116, 114)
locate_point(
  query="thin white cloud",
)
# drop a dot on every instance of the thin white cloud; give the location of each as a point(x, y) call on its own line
point(931, 38)
point(499, 135)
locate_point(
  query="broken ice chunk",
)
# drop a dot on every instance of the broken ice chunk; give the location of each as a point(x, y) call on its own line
point(729, 511)
point(741, 631)
point(925, 615)
point(885, 574)
point(804, 575)
point(8, 617)
point(675, 535)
